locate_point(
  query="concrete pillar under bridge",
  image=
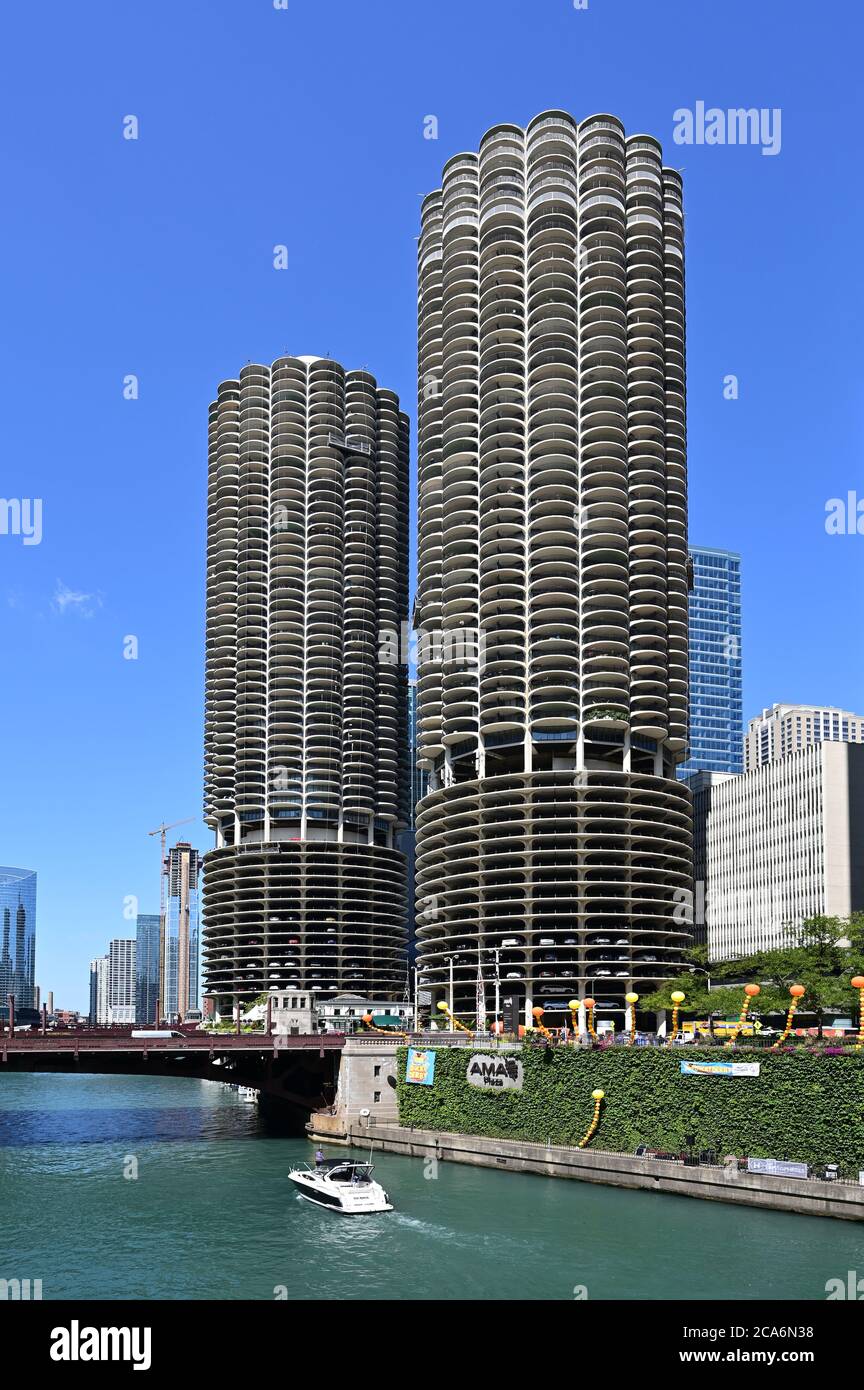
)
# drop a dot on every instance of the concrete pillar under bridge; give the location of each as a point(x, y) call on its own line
point(366, 1090)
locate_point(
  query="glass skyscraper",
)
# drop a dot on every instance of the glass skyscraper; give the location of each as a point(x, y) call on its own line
point(419, 778)
point(17, 938)
point(716, 713)
point(146, 967)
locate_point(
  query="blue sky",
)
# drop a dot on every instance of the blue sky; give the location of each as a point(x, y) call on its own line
point(304, 127)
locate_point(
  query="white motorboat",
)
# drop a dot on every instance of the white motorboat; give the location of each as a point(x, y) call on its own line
point(342, 1185)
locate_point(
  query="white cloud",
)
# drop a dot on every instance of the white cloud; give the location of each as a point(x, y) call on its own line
point(68, 600)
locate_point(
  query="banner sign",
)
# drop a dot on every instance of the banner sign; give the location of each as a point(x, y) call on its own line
point(720, 1068)
point(495, 1073)
point(777, 1167)
point(420, 1066)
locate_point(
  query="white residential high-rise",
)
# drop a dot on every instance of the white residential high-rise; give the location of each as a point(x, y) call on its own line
point(121, 980)
point(783, 729)
point(552, 599)
point(99, 990)
point(778, 845)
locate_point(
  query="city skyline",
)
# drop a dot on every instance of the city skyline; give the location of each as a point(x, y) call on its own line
point(71, 603)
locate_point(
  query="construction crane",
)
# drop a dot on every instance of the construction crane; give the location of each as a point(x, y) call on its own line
point(161, 830)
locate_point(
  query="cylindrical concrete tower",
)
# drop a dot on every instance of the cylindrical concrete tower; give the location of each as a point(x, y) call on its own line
point(553, 571)
point(306, 765)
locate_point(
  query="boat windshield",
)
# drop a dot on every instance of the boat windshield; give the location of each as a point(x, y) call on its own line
point(337, 1170)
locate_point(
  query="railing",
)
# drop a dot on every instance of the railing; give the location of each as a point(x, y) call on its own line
point(204, 1042)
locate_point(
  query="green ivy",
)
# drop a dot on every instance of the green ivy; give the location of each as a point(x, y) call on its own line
point(803, 1106)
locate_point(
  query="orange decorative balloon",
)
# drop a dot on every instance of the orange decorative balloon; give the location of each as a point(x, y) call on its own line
point(752, 990)
point(796, 991)
point(589, 1003)
point(538, 1012)
point(367, 1018)
point(858, 981)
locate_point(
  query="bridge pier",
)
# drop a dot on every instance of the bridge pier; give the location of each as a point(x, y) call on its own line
point(366, 1091)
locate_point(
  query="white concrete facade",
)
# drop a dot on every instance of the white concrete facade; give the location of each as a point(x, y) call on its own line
point(778, 845)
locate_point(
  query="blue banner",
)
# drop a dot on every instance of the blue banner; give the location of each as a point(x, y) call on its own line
point(720, 1068)
point(420, 1066)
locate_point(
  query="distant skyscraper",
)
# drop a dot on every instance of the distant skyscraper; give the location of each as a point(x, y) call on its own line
point(783, 729)
point(17, 937)
point(99, 990)
point(121, 980)
point(179, 966)
point(146, 967)
point(716, 711)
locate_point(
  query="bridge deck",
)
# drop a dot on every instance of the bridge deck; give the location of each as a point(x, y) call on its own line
point(224, 1042)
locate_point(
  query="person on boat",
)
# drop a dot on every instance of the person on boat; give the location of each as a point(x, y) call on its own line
point(319, 1157)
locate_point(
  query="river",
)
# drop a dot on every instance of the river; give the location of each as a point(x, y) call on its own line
point(174, 1189)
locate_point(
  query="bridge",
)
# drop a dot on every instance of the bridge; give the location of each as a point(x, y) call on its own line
point(299, 1070)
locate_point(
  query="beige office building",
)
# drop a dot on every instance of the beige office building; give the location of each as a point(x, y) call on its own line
point(778, 845)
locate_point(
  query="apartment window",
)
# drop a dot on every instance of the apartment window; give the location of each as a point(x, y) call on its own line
point(377, 1071)
point(376, 1097)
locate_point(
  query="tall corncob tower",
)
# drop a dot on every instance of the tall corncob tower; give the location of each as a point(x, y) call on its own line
point(553, 567)
point(306, 764)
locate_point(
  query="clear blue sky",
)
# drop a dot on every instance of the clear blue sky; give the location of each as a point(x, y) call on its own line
point(305, 127)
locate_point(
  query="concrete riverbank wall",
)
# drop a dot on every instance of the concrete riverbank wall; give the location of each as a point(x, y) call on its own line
point(807, 1196)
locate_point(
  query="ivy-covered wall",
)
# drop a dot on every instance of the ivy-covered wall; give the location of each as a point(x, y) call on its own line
point(803, 1106)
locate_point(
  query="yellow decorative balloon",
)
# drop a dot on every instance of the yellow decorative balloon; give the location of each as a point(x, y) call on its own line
point(631, 998)
point(573, 1004)
point(678, 996)
point(598, 1094)
point(442, 1006)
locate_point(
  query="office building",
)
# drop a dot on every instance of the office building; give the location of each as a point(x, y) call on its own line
point(306, 750)
point(147, 963)
point(716, 710)
point(552, 600)
point(783, 729)
point(17, 938)
point(778, 845)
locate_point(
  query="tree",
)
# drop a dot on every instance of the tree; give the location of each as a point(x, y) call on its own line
point(813, 957)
